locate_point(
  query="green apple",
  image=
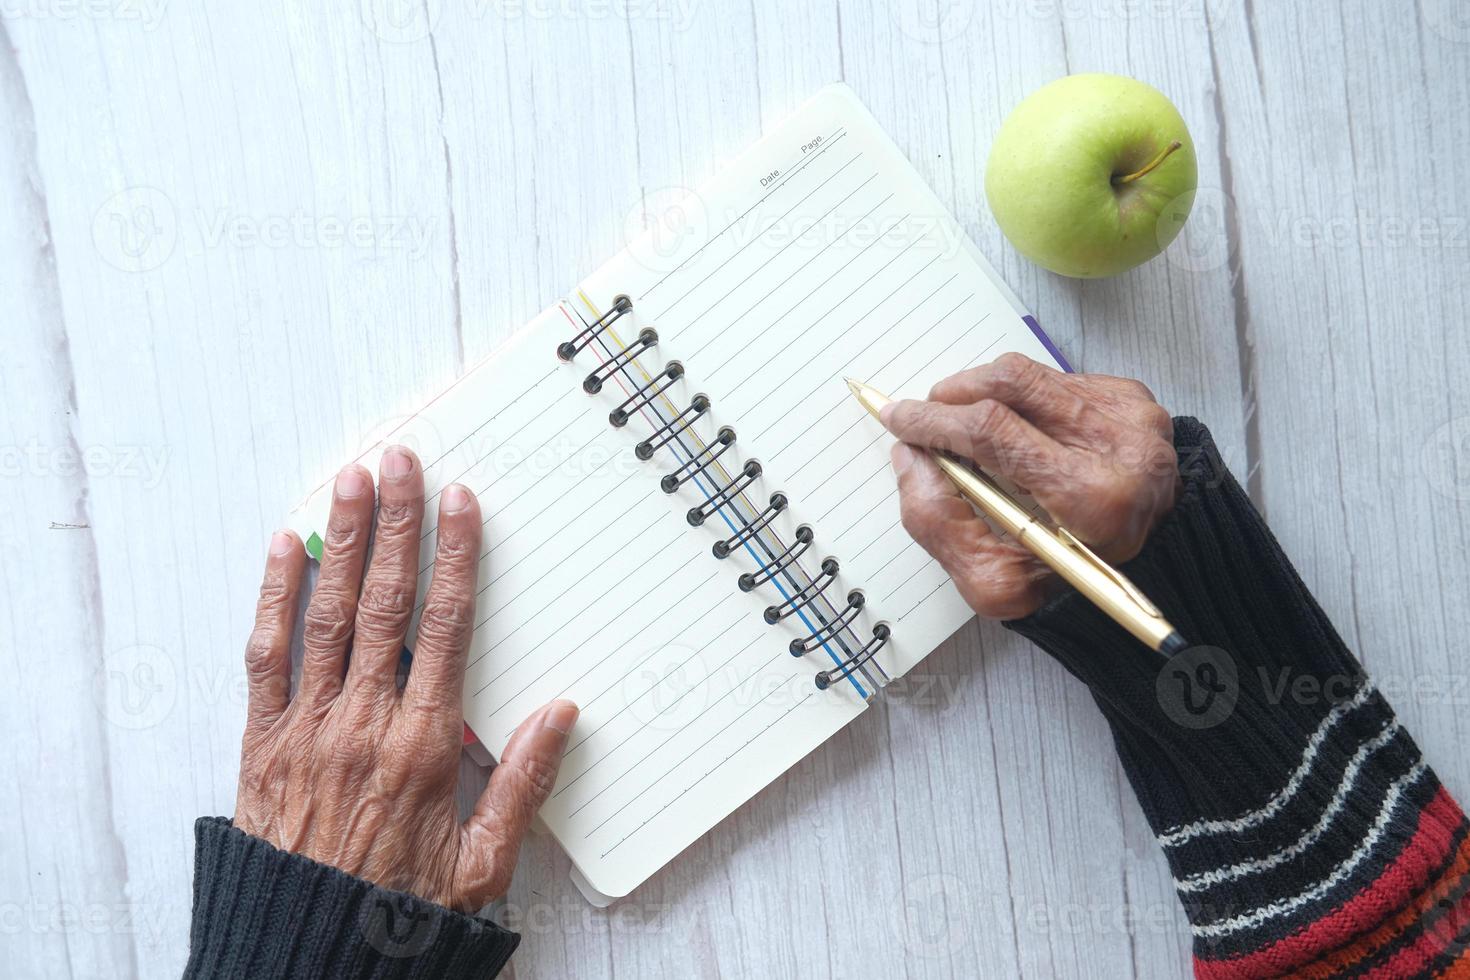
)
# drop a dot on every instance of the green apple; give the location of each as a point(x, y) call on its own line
point(1092, 175)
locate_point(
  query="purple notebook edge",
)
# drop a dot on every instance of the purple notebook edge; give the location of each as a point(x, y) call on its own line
point(1051, 348)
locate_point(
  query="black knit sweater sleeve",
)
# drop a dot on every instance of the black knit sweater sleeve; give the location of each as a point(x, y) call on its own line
point(1302, 827)
point(262, 912)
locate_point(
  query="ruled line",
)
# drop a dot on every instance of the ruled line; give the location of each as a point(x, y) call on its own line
point(838, 404)
point(835, 138)
point(577, 648)
point(788, 343)
point(718, 635)
point(755, 238)
point(740, 748)
point(818, 254)
point(624, 774)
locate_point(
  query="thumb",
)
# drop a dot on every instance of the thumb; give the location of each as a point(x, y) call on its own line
point(490, 839)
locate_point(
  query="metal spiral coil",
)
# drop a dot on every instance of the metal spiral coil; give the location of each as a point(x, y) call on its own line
point(806, 594)
point(645, 395)
point(857, 661)
point(705, 462)
point(722, 549)
point(569, 349)
point(647, 338)
point(855, 601)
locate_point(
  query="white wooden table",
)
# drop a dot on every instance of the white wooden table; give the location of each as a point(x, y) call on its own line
point(234, 237)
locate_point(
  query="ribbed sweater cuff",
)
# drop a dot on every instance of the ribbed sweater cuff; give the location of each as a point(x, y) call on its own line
point(260, 911)
point(1229, 718)
point(1277, 779)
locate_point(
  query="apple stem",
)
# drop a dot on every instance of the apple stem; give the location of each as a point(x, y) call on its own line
point(1130, 178)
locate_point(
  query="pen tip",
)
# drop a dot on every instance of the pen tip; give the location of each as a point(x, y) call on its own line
point(852, 385)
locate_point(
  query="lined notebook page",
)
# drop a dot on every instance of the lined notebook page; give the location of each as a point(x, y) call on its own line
point(819, 254)
point(593, 586)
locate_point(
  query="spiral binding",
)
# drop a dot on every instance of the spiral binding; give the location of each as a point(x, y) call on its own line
point(569, 349)
point(749, 581)
point(857, 661)
point(645, 395)
point(737, 485)
point(700, 461)
point(647, 338)
point(673, 428)
point(705, 463)
point(722, 549)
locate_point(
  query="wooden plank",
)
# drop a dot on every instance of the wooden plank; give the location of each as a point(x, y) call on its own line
point(1351, 204)
point(65, 872)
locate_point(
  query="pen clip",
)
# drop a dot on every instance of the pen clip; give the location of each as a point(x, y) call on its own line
point(1117, 577)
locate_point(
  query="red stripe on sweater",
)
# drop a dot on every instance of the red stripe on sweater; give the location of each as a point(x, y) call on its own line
point(1435, 940)
point(1391, 890)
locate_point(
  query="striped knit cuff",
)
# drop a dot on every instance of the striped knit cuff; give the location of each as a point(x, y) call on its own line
point(1299, 821)
point(260, 911)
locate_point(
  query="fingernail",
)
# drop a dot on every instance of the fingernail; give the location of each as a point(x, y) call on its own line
point(351, 483)
point(561, 716)
point(396, 463)
point(456, 498)
point(885, 414)
point(281, 544)
point(902, 457)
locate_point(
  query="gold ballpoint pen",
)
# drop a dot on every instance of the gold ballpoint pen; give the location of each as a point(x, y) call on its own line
point(1109, 589)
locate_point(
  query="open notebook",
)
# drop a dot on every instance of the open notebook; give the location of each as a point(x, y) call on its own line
point(685, 403)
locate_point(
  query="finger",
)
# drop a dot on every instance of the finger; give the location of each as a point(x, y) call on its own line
point(268, 651)
point(436, 680)
point(332, 610)
point(990, 433)
point(998, 578)
point(386, 604)
point(1038, 393)
point(519, 784)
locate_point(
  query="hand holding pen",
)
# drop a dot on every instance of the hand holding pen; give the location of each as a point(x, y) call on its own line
point(1096, 452)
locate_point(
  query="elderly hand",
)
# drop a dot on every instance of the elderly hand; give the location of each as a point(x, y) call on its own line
point(353, 770)
point(1096, 451)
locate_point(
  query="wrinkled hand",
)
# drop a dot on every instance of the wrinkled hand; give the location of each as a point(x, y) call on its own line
point(351, 770)
point(1096, 451)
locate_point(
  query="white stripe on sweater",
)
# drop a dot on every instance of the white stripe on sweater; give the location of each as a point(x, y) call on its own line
point(1265, 913)
point(1173, 838)
point(1206, 879)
